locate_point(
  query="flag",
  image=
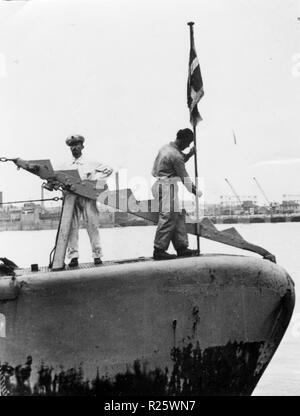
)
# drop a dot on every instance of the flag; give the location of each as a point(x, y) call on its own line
point(194, 85)
point(3, 389)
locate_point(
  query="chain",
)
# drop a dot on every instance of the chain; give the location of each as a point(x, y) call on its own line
point(56, 198)
point(5, 159)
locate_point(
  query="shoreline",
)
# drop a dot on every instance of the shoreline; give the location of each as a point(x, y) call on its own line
point(222, 219)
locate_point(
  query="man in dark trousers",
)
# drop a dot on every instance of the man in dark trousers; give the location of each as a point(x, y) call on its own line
point(169, 169)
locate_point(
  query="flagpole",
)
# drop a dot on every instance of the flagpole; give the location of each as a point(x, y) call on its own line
point(196, 183)
point(191, 24)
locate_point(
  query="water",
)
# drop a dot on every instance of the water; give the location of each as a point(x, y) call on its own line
point(282, 376)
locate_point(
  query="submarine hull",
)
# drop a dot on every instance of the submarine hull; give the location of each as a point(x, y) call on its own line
point(205, 325)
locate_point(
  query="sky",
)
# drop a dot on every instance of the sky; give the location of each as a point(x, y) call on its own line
point(115, 71)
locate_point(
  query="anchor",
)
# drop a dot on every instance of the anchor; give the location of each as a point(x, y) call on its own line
point(72, 185)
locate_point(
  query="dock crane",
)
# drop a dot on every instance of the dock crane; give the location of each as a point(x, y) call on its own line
point(263, 192)
point(234, 192)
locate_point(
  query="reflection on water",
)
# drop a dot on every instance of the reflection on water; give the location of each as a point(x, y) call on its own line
point(282, 377)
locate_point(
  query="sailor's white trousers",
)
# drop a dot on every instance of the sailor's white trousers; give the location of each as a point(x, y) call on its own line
point(87, 209)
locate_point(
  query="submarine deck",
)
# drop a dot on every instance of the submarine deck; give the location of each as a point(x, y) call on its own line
point(90, 265)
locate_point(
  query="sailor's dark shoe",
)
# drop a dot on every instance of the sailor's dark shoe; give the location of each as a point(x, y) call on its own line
point(74, 262)
point(186, 252)
point(162, 255)
point(97, 261)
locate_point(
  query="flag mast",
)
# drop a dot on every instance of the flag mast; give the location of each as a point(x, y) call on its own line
point(196, 183)
point(194, 94)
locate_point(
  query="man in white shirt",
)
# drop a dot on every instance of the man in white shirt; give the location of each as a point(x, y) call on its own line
point(87, 208)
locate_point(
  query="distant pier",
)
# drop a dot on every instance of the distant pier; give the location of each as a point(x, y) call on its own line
point(32, 216)
point(254, 218)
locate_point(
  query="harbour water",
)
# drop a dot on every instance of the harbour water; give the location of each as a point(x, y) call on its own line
point(282, 377)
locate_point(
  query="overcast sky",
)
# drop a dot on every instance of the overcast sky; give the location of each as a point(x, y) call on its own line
point(115, 71)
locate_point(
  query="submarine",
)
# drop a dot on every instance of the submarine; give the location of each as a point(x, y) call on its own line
point(206, 325)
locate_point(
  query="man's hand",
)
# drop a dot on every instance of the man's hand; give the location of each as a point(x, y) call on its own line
point(107, 171)
point(104, 171)
point(196, 192)
point(190, 154)
point(52, 184)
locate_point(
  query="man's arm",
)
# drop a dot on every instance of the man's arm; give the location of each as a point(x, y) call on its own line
point(179, 166)
point(181, 172)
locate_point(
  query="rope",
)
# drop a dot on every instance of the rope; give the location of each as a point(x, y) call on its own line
point(56, 198)
point(51, 255)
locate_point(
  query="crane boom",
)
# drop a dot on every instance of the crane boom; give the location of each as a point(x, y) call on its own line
point(234, 191)
point(262, 191)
